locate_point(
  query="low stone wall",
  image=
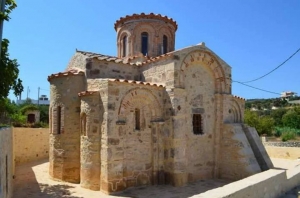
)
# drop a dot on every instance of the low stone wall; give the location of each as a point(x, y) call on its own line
point(271, 183)
point(282, 144)
point(6, 162)
point(30, 144)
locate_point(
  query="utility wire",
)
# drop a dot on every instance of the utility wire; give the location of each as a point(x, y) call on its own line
point(273, 69)
point(256, 88)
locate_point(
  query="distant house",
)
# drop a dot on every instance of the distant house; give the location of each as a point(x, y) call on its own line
point(43, 100)
point(287, 94)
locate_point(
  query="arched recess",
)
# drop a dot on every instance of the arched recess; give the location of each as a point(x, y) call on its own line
point(208, 61)
point(140, 98)
point(121, 35)
point(139, 165)
point(57, 114)
point(136, 38)
point(236, 110)
point(164, 31)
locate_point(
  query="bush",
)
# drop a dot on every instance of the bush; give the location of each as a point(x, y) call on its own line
point(18, 119)
point(289, 135)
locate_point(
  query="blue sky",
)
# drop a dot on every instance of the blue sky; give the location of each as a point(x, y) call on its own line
point(252, 36)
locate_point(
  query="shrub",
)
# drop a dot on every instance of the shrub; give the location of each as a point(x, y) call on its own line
point(18, 119)
point(289, 135)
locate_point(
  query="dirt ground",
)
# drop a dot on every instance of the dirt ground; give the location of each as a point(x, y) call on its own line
point(32, 181)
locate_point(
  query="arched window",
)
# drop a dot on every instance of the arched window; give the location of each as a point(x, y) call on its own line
point(144, 43)
point(83, 124)
point(124, 46)
point(58, 117)
point(165, 44)
point(137, 119)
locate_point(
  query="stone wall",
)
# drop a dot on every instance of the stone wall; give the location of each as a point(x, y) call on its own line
point(271, 183)
point(6, 162)
point(30, 144)
point(236, 152)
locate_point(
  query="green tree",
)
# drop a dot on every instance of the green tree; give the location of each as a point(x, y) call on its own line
point(263, 124)
point(292, 118)
point(8, 67)
point(251, 118)
point(277, 116)
point(266, 125)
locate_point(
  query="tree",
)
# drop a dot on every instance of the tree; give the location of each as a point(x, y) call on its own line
point(292, 119)
point(277, 116)
point(8, 67)
point(263, 124)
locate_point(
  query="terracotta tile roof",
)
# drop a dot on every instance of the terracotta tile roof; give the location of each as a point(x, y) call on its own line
point(237, 97)
point(157, 58)
point(136, 82)
point(102, 57)
point(72, 72)
point(146, 16)
point(86, 93)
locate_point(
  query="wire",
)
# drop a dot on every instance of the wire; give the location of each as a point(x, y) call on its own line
point(273, 69)
point(256, 88)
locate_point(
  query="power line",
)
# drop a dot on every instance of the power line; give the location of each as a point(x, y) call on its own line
point(256, 88)
point(273, 69)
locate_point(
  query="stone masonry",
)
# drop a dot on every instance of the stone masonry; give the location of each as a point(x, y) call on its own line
point(150, 116)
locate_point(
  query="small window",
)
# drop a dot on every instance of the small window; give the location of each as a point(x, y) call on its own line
point(137, 119)
point(124, 46)
point(144, 42)
point(83, 124)
point(197, 124)
point(165, 44)
point(58, 120)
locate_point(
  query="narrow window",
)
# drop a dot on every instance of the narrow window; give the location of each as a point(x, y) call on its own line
point(124, 46)
point(58, 120)
point(137, 119)
point(165, 44)
point(144, 41)
point(197, 124)
point(83, 124)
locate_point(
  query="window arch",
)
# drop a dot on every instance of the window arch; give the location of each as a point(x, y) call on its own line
point(165, 44)
point(137, 115)
point(124, 42)
point(144, 43)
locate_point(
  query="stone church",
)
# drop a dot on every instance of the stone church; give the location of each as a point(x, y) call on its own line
point(150, 115)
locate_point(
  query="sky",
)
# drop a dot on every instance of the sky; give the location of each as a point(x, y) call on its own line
point(252, 36)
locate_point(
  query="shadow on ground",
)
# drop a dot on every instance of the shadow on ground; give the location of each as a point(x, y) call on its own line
point(32, 181)
point(56, 191)
point(27, 186)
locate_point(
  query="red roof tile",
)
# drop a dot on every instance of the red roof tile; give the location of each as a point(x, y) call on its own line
point(136, 82)
point(145, 16)
point(72, 72)
point(237, 97)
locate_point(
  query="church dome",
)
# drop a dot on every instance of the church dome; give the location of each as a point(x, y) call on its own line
point(145, 34)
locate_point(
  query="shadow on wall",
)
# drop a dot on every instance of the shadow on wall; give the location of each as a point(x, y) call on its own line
point(26, 184)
